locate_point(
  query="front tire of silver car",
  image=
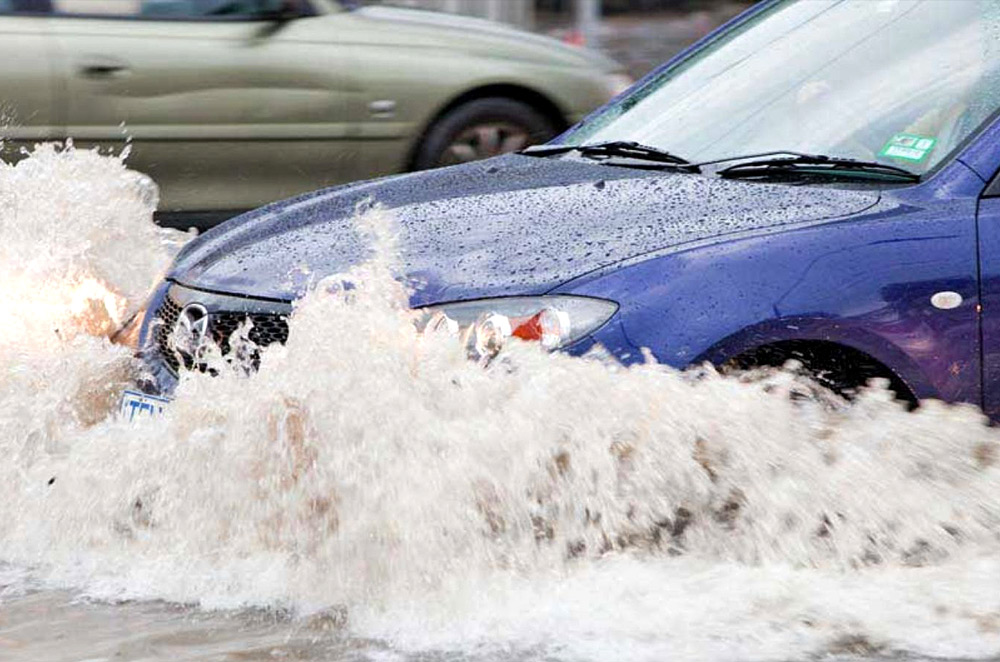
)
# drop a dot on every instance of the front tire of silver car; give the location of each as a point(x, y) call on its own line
point(482, 128)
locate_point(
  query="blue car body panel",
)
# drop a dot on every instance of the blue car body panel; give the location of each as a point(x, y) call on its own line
point(864, 282)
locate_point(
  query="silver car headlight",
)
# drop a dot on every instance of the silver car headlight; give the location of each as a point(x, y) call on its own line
point(486, 325)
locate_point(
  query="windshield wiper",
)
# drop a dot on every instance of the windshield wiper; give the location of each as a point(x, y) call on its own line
point(623, 148)
point(777, 165)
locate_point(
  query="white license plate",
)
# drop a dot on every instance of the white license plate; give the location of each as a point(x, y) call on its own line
point(135, 404)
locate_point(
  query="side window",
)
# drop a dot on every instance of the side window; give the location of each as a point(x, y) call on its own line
point(170, 9)
point(25, 6)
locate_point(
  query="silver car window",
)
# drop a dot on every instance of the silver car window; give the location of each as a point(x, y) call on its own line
point(168, 8)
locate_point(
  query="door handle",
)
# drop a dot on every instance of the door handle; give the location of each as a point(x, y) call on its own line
point(103, 69)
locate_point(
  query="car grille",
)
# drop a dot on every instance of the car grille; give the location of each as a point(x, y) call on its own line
point(266, 329)
point(166, 318)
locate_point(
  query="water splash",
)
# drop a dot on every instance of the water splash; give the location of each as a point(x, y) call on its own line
point(549, 505)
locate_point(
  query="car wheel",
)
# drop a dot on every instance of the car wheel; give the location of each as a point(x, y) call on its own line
point(480, 129)
point(825, 371)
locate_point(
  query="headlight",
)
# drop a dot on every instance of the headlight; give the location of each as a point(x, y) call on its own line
point(617, 83)
point(486, 325)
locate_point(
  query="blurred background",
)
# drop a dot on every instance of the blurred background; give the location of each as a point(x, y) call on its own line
point(638, 33)
point(230, 104)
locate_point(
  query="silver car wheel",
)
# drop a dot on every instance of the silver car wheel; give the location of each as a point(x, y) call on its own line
point(482, 141)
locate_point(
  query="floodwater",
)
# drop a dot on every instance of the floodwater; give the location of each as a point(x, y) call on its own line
point(370, 494)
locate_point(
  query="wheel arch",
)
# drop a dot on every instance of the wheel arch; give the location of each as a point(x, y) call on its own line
point(517, 92)
point(821, 352)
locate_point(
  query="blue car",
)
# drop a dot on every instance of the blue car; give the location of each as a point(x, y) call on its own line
point(816, 180)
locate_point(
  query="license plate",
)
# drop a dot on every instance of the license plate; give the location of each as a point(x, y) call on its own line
point(135, 404)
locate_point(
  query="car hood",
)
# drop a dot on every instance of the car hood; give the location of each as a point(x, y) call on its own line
point(510, 225)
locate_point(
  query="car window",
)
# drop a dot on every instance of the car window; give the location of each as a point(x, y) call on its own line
point(800, 77)
point(199, 9)
point(25, 6)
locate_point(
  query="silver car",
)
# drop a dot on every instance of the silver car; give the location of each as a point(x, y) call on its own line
point(230, 104)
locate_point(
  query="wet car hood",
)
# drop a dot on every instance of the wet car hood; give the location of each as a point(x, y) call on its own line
point(510, 225)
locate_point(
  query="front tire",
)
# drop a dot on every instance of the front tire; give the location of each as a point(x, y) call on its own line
point(827, 369)
point(480, 129)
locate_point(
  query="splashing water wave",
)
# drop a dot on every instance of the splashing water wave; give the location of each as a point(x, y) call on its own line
point(569, 507)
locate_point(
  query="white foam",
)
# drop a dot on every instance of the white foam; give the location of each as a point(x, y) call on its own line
point(548, 504)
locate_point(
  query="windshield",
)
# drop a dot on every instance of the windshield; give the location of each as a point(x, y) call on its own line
point(898, 81)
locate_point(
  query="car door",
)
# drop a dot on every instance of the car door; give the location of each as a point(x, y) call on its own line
point(26, 82)
point(984, 158)
point(225, 111)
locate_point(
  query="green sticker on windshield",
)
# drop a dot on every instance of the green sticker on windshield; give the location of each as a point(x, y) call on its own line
point(908, 147)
